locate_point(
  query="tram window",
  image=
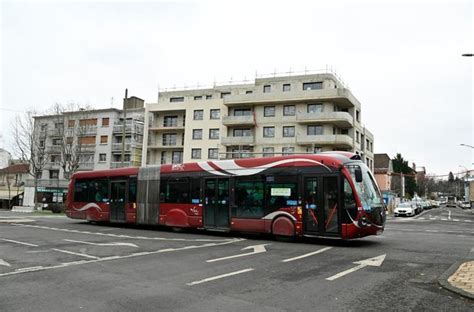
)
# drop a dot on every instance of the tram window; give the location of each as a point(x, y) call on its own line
point(175, 191)
point(248, 199)
point(279, 195)
point(349, 202)
point(195, 191)
point(91, 191)
point(132, 190)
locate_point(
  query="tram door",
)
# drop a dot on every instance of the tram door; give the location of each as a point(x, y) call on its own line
point(216, 203)
point(321, 205)
point(117, 200)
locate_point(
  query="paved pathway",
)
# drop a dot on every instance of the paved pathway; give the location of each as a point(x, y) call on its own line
point(463, 278)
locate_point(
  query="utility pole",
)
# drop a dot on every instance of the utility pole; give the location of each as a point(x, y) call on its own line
point(123, 126)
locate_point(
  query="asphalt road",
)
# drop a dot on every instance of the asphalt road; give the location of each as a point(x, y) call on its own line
point(57, 264)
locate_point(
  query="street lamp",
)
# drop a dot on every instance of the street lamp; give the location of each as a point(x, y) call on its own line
point(466, 145)
point(468, 54)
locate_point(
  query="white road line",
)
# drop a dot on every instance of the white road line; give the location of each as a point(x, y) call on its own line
point(16, 220)
point(444, 219)
point(219, 277)
point(101, 244)
point(307, 255)
point(449, 214)
point(76, 253)
point(126, 236)
point(457, 220)
point(256, 250)
point(18, 242)
point(138, 254)
point(4, 263)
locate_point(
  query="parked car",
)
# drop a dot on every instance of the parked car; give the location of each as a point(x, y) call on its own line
point(418, 206)
point(435, 203)
point(405, 209)
point(464, 205)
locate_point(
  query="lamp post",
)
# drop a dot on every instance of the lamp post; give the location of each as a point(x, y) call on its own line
point(468, 54)
point(466, 145)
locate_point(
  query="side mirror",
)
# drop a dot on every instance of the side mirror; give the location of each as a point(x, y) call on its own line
point(358, 175)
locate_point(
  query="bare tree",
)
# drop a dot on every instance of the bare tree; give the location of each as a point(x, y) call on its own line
point(29, 145)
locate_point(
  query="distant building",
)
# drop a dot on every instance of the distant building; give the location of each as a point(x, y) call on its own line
point(272, 116)
point(100, 140)
point(5, 158)
point(383, 170)
point(12, 182)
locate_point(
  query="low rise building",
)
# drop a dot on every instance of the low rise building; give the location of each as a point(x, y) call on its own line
point(12, 182)
point(271, 116)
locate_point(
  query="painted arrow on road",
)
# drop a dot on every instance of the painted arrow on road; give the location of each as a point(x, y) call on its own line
point(256, 250)
point(3, 262)
point(102, 244)
point(375, 261)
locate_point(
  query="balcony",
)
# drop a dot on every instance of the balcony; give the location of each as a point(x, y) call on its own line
point(129, 128)
point(238, 120)
point(339, 140)
point(242, 140)
point(166, 144)
point(119, 164)
point(55, 132)
point(53, 149)
point(86, 166)
point(87, 130)
point(166, 126)
point(342, 97)
point(339, 119)
point(117, 147)
point(85, 148)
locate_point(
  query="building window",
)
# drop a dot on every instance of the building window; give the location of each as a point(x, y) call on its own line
point(357, 136)
point(71, 123)
point(268, 151)
point(163, 158)
point(224, 95)
point(57, 142)
point(288, 150)
point(213, 153)
point(286, 87)
point(41, 143)
point(196, 153)
point(344, 131)
point(177, 99)
point(198, 114)
point(88, 122)
point(312, 85)
point(213, 134)
point(170, 121)
point(288, 131)
point(289, 110)
point(55, 158)
point(315, 130)
point(169, 139)
point(105, 122)
point(43, 127)
point(103, 139)
point(315, 108)
point(268, 132)
point(58, 125)
point(87, 140)
point(54, 174)
point(267, 89)
point(197, 134)
point(177, 157)
point(248, 92)
point(357, 116)
point(215, 113)
point(198, 97)
point(102, 157)
point(269, 111)
point(314, 150)
point(242, 132)
point(242, 112)
point(209, 97)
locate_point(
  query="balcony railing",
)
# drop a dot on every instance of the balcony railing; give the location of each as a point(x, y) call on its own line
point(86, 166)
point(340, 119)
point(119, 164)
point(242, 140)
point(128, 146)
point(165, 144)
point(238, 120)
point(341, 140)
point(129, 128)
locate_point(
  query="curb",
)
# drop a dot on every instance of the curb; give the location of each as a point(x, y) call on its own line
point(443, 281)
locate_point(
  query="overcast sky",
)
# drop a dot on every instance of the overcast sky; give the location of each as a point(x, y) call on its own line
point(402, 59)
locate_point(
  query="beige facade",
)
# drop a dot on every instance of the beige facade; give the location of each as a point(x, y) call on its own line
point(278, 115)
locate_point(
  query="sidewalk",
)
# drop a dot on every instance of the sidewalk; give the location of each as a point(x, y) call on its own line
point(459, 278)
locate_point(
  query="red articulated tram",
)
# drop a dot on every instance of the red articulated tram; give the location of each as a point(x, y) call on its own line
point(330, 194)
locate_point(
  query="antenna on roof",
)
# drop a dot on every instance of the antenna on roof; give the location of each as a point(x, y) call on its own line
point(112, 102)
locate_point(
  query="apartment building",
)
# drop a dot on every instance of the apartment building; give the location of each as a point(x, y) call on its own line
point(96, 137)
point(276, 115)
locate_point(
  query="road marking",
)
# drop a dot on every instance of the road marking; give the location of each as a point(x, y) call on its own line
point(16, 220)
point(126, 236)
point(256, 250)
point(307, 255)
point(102, 244)
point(449, 214)
point(434, 231)
point(4, 263)
point(375, 261)
point(219, 277)
point(18, 242)
point(444, 219)
point(133, 255)
point(76, 253)
point(457, 220)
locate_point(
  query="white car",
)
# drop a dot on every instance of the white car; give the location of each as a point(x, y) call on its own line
point(405, 209)
point(465, 205)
